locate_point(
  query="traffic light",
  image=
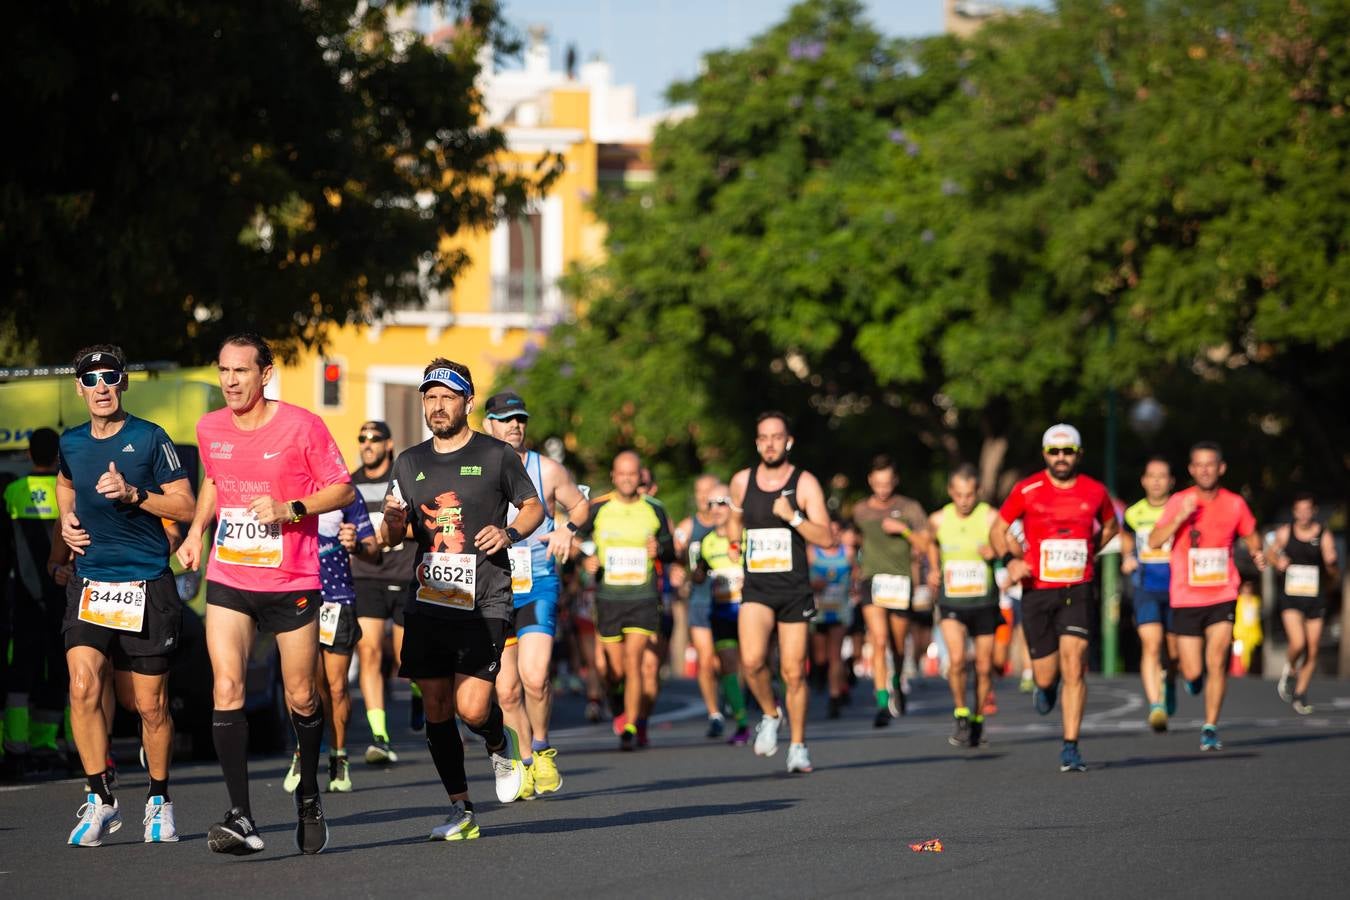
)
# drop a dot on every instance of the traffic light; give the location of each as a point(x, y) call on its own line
point(332, 384)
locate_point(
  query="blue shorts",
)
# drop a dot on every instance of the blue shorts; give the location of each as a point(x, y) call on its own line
point(700, 615)
point(1152, 608)
point(725, 625)
point(537, 611)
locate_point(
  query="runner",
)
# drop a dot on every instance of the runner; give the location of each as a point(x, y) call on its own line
point(119, 476)
point(1201, 522)
point(689, 534)
point(1151, 574)
point(627, 533)
point(831, 576)
point(960, 557)
point(381, 593)
point(536, 588)
point(724, 578)
point(781, 509)
point(894, 531)
point(271, 469)
point(459, 485)
point(344, 534)
point(1061, 510)
point(1305, 554)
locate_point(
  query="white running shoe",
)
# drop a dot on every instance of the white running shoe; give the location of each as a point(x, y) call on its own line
point(159, 826)
point(766, 734)
point(798, 760)
point(1282, 687)
point(458, 826)
point(96, 820)
point(507, 769)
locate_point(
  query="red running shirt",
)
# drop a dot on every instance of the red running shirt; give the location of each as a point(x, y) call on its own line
point(290, 457)
point(1061, 527)
point(1207, 576)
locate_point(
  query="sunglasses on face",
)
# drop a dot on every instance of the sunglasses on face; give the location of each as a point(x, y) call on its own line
point(1061, 451)
point(370, 438)
point(521, 419)
point(111, 379)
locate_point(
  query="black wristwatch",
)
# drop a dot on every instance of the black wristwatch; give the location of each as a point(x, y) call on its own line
point(513, 536)
point(1006, 558)
point(298, 510)
point(138, 496)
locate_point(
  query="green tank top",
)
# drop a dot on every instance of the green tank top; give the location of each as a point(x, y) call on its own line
point(967, 578)
point(882, 553)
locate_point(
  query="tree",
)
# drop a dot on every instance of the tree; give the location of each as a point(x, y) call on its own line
point(188, 170)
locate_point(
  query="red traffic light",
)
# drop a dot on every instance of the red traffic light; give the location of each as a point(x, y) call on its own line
point(332, 372)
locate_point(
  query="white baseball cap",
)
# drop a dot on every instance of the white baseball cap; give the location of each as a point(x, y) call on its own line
point(1061, 435)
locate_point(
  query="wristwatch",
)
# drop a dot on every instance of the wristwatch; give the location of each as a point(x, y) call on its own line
point(298, 510)
point(513, 536)
point(797, 519)
point(1007, 558)
point(137, 496)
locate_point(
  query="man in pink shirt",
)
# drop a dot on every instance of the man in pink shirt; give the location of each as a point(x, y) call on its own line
point(271, 469)
point(1202, 522)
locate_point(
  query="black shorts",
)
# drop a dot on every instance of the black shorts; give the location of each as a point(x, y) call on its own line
point(345, 635)
point(1049, 613)
point(801, 608)
point(725, 627)
point(380, 599)
point(443, 648)
point(615, 618)
point(147, 652)
point(921, 616)
point(1309, 607)
point(275, 611)
point(979, 620)
point(1192, 621)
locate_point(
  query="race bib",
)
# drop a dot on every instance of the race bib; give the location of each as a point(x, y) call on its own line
point(890, 591)
point(1063, 561)
point(1207, 567)
point(1302, 581)
point(241, 540)
point(726, 585)
point(522, 569)
point(768, 550)
point(626, 566)
point(965, 578)
point(834, 597)
point(447, 579)
point(119, 605)
point(1147, 555)
point(329, 616)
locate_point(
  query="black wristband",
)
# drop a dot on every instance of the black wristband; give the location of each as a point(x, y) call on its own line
point(512, 535)
point(139, 497)
point(1006, 558)
point(572, 527)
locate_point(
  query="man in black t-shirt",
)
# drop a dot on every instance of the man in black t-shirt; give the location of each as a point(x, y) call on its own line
point(450, 495)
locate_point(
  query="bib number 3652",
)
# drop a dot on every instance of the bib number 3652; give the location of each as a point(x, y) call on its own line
point(447, 579)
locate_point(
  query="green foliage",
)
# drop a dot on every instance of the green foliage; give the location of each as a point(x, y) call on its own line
point(185, 170)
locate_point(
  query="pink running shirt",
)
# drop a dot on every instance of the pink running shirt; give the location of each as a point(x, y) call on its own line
point(1207, 576)
point(289, 458)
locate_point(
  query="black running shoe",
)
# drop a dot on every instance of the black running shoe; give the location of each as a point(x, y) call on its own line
point(883, 718)
point(961, 732)
point(311, 831)
point(976, 732)
point(235, 835)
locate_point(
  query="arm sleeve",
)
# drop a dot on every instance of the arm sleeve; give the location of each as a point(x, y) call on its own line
point(322, 456)
point(665, 541)
point(166, 464)
point(1013, 507)
point(516, 484)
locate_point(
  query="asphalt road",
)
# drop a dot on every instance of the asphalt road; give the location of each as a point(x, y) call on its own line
point(1268, 816)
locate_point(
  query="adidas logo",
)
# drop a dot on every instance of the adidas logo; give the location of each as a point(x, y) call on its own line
point(420, 477)
point(128, 449)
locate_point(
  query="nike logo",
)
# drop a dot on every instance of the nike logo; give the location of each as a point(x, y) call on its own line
point(128, 449)
point(271, 455)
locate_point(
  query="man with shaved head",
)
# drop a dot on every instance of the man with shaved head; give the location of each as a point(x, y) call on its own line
point(627, 534)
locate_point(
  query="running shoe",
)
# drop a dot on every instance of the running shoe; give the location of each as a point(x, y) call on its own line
point(741, 737)
point(1301, 705)
point(1282, 686)
point(339, 775)
point(311, 828)
point(1194, 688)
point(1027, 684)
point(716, 725)
point(977, 731)
point(1045, 698)
point(960, 732)
point(628, 739)
point(593, 711)
point(798, 760)
point(835, 705)
point(527, 781)
point(458, 826)
point(507, 770)
point(766, 734)
point(236, 835)
point(379, 753)
point(292, 779)
point(1157, 717)
point(96, 820)
point(159, 825)
point(895, 705)
point(417, 717)
point(882, 719)
point(1209, 738)
point(620, 723)
point(1170, 695)
point(1070, 760)
point(547, 780)
point(990, 704)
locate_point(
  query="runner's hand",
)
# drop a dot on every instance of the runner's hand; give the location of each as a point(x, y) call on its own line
point(395, 520)
point(1128, 565)
point(76, 538)
point(1188, 506)
point(113, 485)
point(782, 508)
point(491, 540)
point(934, 578)
point(591, 564)
point(1259, 557)
point(653, 548)
point(269, 511)
point(347, 536)
point(190, 552)
point(560, 544)
point(892, 525)
point(1017, 570)
point(1281, 563)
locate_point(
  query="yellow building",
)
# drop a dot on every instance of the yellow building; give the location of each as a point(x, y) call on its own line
point(508, 297)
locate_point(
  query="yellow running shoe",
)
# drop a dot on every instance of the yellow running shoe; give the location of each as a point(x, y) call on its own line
point(527, 789)
point(545, 771)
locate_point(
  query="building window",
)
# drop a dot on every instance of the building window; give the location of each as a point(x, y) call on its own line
point(522, 288)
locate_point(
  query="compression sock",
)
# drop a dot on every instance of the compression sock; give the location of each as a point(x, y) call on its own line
point(379, 728)
point(229, 733)
point(159, 787)
point(731, 688)
point(98, 784)
point(447, 752)
point(883, 698)
point(492, 731)
point(308, 738)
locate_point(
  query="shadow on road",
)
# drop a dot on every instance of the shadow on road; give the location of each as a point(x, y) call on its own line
point(1287, 739)
point(1137, 761)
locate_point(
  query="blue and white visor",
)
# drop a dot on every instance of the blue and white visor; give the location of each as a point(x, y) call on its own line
point(447, 378)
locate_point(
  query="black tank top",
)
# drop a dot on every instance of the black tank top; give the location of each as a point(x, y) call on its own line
point(1304, 553)
point(772, 587)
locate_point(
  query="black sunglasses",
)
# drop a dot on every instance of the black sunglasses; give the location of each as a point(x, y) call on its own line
point(370, 438)
point(514, 419)
point(111, 379)
point(1061, 451)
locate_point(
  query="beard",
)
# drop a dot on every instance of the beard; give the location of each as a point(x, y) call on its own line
point(774, 463)
point(449, 426)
